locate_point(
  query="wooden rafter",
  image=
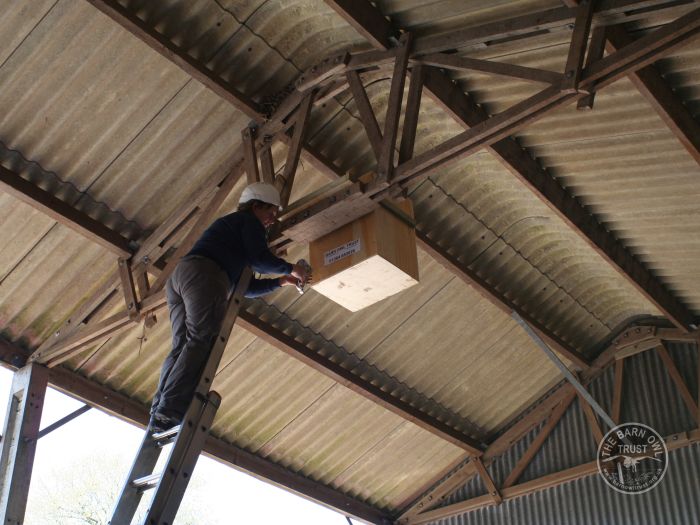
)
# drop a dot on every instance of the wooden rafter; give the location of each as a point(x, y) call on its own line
point(595, 52)
point(173, 53)
point(385, 164)
point(410, 121)
point(677, 379)
point(592, 419)
point(63, 213)
point(459, 63)
point(577, 48)
point(608, 12)
point(367, 116)
point(128, 288)
point(617, 391)
point(88, 337)
point(652, 86)
point(295, 146)
point(661, 97)
point(250, 155)
point(488, 481)
point(673, 442)
point(132, 411)
point(548, 409)
point(537, 443)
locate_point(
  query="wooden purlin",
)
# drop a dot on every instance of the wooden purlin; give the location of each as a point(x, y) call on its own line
point(673, 442)
point(459, 63)
point(63, 213)
point(608, 12)
point(546, 409)
point(662, 98)
point(133, 412)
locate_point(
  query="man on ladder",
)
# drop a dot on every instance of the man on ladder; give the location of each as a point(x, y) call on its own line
point(202, 318)
point(197, 294)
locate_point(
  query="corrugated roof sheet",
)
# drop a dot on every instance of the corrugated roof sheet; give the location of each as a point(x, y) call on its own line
point(648, 392)
point(86, 107)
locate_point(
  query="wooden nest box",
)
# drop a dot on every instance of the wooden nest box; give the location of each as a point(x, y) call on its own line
point(369, 259)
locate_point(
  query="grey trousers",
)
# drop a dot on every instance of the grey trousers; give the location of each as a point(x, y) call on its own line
point(197, 298)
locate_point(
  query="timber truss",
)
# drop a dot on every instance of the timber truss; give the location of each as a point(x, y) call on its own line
point(141, 268)
point(633, 341)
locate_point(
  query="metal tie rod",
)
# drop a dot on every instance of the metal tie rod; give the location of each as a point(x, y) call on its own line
point(564, 369)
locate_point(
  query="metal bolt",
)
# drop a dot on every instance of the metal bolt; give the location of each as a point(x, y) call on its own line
point(58, 332)
point(569, 74)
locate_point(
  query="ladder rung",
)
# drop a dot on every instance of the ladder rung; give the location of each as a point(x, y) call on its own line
point(166, 434)
point(146, 482)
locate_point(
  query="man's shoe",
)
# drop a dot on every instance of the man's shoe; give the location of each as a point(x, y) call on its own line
point(160, 423)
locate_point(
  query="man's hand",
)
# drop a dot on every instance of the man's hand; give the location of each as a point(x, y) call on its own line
point(288, 280)
point(301, 273)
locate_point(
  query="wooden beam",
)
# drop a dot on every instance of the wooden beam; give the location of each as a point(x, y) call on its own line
point(488, 481)
point(557, 19)
point(368, 390)
point(466, 112)
point(249, 154)
point(203, 221)
point(537, 443)
point(661, 97)
point(63, 213)
point(19, 441)
point(385, 165)
point(617, 391)
point(115, 324)
point(367, 116)
point(267, 164)
point(133, 412)
point(483, 134)
point(89, 336)
point(643, 51)
point(595, 52)
point(471, 278)
point(593, 423)
point(459, 63)
point(528, 420)
point(177, 56)
point(577, 48)
point(294, 151)
point(566, 206)
point(128, 288)
point(678, 381)
point(362, 16)
point(410, 119)
point(673, 442)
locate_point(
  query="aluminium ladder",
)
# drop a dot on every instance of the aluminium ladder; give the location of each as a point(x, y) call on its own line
point(188, 438)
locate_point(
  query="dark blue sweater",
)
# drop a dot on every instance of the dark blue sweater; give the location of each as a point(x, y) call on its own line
point(237, 240)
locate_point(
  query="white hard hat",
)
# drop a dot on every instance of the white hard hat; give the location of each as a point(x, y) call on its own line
point(261, 191)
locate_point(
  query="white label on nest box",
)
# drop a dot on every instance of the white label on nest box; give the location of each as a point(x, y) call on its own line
point(341, 252)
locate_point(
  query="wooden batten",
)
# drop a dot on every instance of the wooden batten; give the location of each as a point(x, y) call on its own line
point(367, 260)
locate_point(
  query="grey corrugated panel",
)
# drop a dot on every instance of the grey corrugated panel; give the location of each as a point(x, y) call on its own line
point(589, 501)
point(51, 183)
point(437, 16)
point(648, 395)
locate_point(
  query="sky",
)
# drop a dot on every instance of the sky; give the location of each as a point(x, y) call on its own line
point(93, 453)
